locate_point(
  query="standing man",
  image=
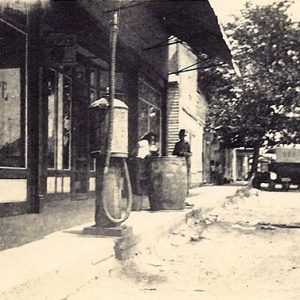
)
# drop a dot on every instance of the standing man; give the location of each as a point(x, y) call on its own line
point(183, 148)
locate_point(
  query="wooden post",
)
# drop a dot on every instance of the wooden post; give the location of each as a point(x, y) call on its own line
point(34, 73)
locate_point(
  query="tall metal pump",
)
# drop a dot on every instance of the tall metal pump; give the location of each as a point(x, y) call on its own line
point(111, 166)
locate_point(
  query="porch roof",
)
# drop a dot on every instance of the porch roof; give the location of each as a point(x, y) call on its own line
point(194, 22)
point(191, 21)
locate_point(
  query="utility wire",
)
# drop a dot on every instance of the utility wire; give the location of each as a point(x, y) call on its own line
point(202, 67)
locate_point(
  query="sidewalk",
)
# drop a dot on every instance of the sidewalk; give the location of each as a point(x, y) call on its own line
point(53, 267)
point(57, 215)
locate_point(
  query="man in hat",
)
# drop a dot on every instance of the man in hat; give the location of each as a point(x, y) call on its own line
point(183, 148)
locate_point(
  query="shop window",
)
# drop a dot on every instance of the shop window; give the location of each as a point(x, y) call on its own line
point(80, 73)
point(93, 84)
point(149, 94)
point(51, 119)
point(104, 84)
point(59, 121)
point(93, 78)
point(149, 110)
point(12, 97)
point(154, 119)
point(143, 118)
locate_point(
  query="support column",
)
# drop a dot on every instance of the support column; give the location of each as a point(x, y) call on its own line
point(34, 100)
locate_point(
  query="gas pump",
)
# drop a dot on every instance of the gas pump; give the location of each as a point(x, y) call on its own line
point(109, 178)
point(112, 143)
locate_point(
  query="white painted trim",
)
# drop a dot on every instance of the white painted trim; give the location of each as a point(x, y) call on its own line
point(13, 190)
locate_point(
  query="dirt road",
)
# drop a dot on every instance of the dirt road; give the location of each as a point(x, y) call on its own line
point(237, 251)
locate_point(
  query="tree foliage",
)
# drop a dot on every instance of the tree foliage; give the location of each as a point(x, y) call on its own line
point(260, 106)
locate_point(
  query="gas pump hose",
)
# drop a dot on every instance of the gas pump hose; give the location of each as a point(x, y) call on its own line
point(129, 198)
point(105, 172)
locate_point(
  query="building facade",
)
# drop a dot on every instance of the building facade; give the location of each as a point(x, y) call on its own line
point(54, 61)
point(186, 107)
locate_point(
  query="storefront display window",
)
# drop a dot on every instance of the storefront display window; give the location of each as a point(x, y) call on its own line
point(149, 93)
point(154, 119)
point(143, 118)
point(119, 85)
point(12, 97)
point(92, 115)
point(66, 120)
point(149, 110)
point(59, 121)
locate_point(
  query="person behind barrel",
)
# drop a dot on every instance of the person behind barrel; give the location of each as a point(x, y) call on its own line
point(182, 148)
point(147, 147)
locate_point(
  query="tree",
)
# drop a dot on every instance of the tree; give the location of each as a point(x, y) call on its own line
point(258, 108)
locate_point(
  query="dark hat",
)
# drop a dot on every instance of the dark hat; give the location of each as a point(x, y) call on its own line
point(148, 136)
point(182, 132)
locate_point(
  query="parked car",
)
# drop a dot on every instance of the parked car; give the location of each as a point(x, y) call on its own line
point(283, 169)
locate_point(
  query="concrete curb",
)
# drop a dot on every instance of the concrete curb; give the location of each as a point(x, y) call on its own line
point(128, 246)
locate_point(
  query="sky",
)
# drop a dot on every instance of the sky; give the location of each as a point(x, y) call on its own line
point(225, 8)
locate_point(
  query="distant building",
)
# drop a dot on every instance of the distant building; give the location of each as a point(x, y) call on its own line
point(186, 106)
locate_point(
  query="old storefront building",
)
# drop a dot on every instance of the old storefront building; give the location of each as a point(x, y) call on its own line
point(54, 61)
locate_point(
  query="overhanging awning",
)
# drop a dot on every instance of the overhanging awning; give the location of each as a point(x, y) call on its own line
point(194, 22)
point(191, 21)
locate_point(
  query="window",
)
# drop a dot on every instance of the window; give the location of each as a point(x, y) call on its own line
point(93, 84)
point(59, 121)
point(119, 84)
point(149, 110)
point(12, 97)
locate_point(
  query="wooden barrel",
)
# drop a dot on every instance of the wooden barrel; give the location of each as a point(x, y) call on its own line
point(168, 184)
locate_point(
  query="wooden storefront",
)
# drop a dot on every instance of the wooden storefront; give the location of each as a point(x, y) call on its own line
point(55, 63)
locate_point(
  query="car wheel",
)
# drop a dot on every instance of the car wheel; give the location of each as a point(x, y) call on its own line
point(256, 184)
point(271, 185)
point(285, 186)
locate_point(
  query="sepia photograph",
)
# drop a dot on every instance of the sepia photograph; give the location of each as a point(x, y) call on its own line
point(149, 149)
